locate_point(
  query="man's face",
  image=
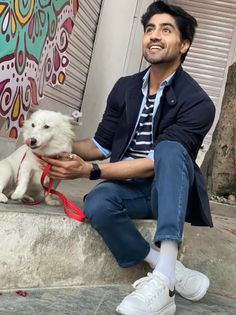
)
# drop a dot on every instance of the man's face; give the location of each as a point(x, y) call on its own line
point(162, 40)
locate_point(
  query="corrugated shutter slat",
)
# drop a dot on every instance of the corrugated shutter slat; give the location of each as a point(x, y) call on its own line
point(208, 58)
point(70, 95)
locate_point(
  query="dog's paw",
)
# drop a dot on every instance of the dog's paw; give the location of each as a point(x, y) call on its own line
point(52, 201)
point(3, 198)
point(16, 196)
point(27, 198)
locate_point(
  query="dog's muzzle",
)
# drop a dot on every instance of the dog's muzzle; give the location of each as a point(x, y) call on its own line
point(31, 142)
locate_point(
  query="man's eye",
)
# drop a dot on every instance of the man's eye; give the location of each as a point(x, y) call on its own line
point(33, 125)
point(166, 30)
point(46, 126)
point(148, 30)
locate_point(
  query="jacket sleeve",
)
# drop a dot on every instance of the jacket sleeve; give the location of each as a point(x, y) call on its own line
point(193, 120)
point(114, 109)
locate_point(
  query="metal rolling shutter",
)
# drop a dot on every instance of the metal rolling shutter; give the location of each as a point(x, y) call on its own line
point(211, 52)
point(68, 97)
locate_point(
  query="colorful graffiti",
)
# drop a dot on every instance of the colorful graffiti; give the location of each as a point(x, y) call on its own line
point(34, 36)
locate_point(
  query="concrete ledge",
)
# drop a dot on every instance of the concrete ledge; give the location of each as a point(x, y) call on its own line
point(213, 251)
point(39, 250)
point(222, 209)
point(41, 247)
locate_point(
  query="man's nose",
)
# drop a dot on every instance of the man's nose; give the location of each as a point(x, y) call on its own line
point(155, 35)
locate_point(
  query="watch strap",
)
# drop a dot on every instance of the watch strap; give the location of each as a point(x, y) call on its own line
point(95, 172)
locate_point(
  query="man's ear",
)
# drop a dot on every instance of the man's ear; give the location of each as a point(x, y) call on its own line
point(185, 45)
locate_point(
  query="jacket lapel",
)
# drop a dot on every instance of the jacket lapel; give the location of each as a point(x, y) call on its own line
point(170, 100)
point(133, 102)
point(134, 97)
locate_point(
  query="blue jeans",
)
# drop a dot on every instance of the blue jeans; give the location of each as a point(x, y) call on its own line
point(112, 205)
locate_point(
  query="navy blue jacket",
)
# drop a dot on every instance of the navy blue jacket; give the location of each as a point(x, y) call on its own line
point(185, 114)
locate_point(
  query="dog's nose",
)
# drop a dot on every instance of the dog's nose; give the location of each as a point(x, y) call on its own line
point(33, 141)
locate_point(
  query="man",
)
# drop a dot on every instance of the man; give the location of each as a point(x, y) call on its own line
point(152, 129)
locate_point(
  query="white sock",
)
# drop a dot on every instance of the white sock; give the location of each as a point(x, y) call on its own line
point(167, 260)
point(152, 258)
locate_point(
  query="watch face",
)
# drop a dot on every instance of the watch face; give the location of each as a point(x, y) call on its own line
point(95, 172)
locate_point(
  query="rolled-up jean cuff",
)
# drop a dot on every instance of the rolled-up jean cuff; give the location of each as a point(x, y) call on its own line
point(159, 238)
point(134, 262)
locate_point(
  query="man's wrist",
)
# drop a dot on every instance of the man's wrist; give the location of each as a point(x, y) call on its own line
point(95, 172)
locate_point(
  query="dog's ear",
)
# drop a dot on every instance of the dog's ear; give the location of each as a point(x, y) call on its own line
point(69, 119)
point(31, 114)
point(67, 126)
point(25, 124)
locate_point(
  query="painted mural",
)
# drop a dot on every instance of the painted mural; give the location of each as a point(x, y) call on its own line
point(34, 36)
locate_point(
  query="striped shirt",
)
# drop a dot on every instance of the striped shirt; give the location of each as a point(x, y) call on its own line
point(142, 140)
point(150, 155)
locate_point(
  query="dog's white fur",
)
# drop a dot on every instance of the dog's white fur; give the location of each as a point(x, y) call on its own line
point(52, 133)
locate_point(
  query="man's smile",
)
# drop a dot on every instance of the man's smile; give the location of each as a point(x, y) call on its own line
point(155, 47)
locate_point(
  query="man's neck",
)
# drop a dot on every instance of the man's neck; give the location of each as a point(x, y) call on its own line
point(158, 73)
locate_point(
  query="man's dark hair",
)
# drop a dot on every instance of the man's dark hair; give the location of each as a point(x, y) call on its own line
point(185, 22)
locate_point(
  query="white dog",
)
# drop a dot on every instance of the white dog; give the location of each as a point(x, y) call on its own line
point(46, 133)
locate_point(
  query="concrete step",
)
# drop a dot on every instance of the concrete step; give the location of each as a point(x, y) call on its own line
point(212, 251)
point(41, 247)
point(98, 300)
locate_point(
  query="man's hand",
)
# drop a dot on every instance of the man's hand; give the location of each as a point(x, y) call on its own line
point(71, 166)
point(68, 166)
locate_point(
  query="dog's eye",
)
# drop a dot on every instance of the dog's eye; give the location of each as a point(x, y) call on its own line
point(46, 127)
point(33, 125)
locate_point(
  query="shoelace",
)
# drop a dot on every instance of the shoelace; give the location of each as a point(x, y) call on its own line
point(156, 286)
point(142, 281)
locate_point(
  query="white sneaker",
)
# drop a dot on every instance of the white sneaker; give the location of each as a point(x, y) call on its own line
point(190, 284)
point(151, 297)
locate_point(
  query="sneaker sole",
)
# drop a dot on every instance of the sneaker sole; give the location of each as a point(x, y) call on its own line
point(168, 310)
point(199, 294)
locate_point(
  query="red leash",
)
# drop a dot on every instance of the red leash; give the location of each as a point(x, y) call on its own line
point(76, 212)
point(70, 208)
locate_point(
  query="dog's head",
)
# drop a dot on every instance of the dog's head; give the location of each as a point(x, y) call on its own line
point(48, 133)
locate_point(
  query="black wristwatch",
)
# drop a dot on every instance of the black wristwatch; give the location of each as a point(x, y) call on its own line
point(95, 172)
